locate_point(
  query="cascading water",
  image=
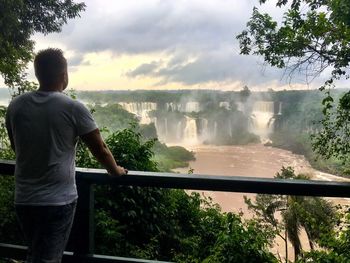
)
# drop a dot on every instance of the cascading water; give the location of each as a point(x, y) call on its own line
point(230, 128)
point(179, 131)
point(204, 132)
point(173, 106)
point(190, 131)
point(215, 129)
point(224, 104)
point(279, 108)
point(240, 106)
point(263, 119)
point(140, 109)
point(192, 106)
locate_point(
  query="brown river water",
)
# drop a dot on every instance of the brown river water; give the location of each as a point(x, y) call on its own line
point(255, 160)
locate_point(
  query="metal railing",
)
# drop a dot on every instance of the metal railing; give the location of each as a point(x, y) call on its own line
point(87, 178)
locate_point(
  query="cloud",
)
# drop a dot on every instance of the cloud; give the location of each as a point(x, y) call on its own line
point(135, 27)
point(76, 60)
point(215, 66)
point(144, 69)
point(198, 36)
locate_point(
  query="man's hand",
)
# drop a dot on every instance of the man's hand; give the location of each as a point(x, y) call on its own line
point(99, 149)
point(119, 171)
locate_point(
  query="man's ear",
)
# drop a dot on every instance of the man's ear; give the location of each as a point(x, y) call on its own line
point(65, 79)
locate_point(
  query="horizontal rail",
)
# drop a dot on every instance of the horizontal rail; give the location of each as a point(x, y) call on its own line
point(209, 182)
point(19, 253)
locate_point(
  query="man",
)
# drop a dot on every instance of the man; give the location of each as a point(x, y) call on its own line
point(43, 127)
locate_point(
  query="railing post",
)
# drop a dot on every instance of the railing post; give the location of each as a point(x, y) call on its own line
point(82, 237)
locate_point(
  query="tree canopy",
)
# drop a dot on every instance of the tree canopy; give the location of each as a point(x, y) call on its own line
point(19, 20)
point(312, 36)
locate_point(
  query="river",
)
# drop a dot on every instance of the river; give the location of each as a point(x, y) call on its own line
point(255, 160)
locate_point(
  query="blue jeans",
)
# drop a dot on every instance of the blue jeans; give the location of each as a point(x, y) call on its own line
point(46, 230)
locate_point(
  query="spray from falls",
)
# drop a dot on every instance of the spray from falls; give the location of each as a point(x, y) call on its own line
point(263, 119)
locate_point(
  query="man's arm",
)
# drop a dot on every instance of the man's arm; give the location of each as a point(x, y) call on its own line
point(99, 149)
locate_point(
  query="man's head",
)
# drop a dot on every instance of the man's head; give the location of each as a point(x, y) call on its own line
point(51, 69)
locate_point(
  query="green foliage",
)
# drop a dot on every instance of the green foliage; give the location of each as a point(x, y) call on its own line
point(311, 32)
point(245, 93)
point(300, 120)
point(313, 35)
point(158, 96)
point(171, 157)
point(336, 243)
point(313, 214)
point(9, 230)
point(148, 131)
point(5, 146)
point(18, 21)
point(246, 238)
point(112, 116)
point(333, 140)
point(322, 257)
point(130, 152)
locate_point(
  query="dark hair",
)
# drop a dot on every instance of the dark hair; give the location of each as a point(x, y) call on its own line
point(49, 64)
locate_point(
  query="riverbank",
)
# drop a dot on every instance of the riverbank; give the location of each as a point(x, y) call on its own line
point(301, 144)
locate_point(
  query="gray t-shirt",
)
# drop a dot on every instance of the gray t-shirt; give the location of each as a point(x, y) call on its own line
point(45, 127)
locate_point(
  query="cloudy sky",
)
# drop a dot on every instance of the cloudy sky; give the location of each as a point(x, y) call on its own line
point(164, 44)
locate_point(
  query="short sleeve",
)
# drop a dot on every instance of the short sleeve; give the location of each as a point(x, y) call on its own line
point(85, 123)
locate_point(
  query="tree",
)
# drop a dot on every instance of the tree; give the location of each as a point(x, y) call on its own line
point(313, 214)
point(19, 20)
point(244, 93)
point(313, 35)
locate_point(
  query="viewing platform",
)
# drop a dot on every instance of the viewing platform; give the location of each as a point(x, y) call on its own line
point(83, 227)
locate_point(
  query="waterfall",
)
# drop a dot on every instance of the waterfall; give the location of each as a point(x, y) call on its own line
point(240, 106)
point(230, 128)
point(279, 108)
point(179, 131)
point(204, 132)
point(192, 106)
point(263, 119)
point(172, 106)
point(140, 109)
point(215, 129)
point(224, 104)
point(190, 131)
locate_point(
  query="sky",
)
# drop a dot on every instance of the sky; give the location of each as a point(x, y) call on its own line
point(164, 44)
